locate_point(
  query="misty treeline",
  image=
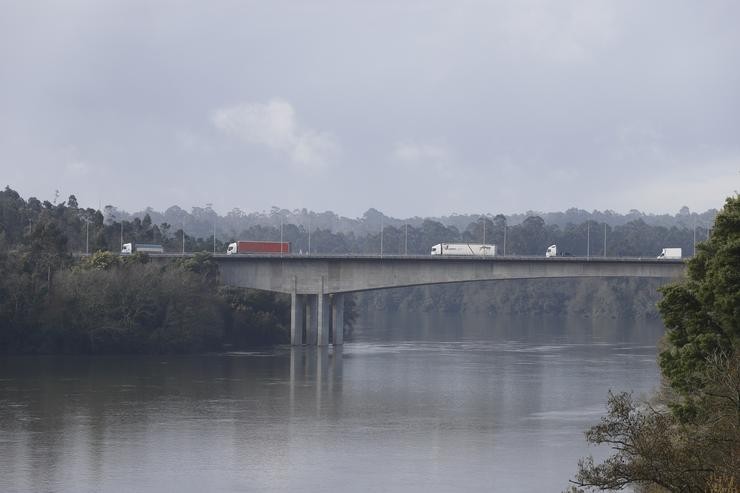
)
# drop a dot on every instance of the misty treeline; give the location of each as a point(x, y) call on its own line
point(203, 230)
point(687, 437)
point(634, 234)
point(39, 240)
point(201, 221)
point(52, 301)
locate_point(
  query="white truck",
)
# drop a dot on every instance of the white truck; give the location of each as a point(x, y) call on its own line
point(670, 253)
point(552, 251)
point(129, 248)
point(464, 249)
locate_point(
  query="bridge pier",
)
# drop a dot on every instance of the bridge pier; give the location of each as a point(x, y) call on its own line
point(297, 318)
point(312, 319)
point(337, 312)
point(323, 313)
point(318, 314)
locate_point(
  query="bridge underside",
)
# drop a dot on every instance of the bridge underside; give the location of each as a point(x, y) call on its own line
point(317, 284)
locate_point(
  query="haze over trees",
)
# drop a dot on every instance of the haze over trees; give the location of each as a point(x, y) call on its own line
point(52, 301)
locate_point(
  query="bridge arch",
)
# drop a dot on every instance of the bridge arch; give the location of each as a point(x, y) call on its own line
point(317, 284)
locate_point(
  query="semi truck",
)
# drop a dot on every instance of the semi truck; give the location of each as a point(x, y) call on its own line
point(670, 253)
point(552, 251)
point(464, 249)
point(129, 248)
point(258, 247)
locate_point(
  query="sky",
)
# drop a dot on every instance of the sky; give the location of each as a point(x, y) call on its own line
point(415, 108)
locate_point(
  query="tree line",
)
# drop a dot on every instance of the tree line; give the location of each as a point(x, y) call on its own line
point(39, 243)
point(89, 230)
point(52, 301)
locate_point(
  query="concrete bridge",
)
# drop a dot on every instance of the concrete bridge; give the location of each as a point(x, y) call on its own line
point(317, 283)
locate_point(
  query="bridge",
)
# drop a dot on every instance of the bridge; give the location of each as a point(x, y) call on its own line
point(317, 283)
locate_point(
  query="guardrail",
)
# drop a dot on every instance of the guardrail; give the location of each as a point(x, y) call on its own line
point(431, 258)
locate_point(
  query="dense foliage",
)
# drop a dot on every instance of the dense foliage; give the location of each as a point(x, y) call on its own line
point(702, 315)
point(54, 302)
point(689, 439)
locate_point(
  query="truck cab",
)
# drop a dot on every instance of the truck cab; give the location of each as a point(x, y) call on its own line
point(552, 251)
point(231, 249)
point(128, 248)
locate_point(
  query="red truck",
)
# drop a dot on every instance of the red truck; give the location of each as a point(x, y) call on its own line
point(266, 247)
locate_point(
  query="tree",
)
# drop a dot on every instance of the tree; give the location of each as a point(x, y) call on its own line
point(690, 440)
point(702, 314)
point(72, 202)
point(655, 447)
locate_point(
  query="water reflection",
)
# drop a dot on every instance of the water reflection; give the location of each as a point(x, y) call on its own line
point(316, 372)
point(417, 404)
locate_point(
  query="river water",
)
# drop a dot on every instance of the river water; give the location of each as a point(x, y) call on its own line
point(415, 403)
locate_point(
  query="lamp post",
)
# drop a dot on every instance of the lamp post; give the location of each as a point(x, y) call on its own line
point(381, 235)
point(604, 239)
point(588, 239)
point(406, 241)
point(281, 234)
point(484, 229)
point(506, 227)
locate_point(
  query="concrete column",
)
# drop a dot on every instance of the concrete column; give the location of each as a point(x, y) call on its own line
point(297, 309)
point(312, 322)
point(323, 313)
point(337, 315)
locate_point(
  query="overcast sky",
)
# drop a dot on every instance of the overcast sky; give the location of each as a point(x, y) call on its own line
point(414, 108)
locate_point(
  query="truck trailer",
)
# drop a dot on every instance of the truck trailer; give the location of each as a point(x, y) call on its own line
point(464, 249)
point(129, 248)
point(670, 253)
point(258, 247)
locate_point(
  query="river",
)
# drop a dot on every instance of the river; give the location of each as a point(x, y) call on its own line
point(415, 403)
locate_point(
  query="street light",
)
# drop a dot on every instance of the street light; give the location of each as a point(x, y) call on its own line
point(406, 241)
point(381, 235)
point(484, 229)
point(506, 227)
point(604, 239)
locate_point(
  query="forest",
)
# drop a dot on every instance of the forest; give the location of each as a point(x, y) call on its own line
point(55, 299)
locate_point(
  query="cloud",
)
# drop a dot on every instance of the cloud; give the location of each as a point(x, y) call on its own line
point(557, 31)
point(274, 125)
point(419, 153)
point(701, 184)
point(77, 168)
